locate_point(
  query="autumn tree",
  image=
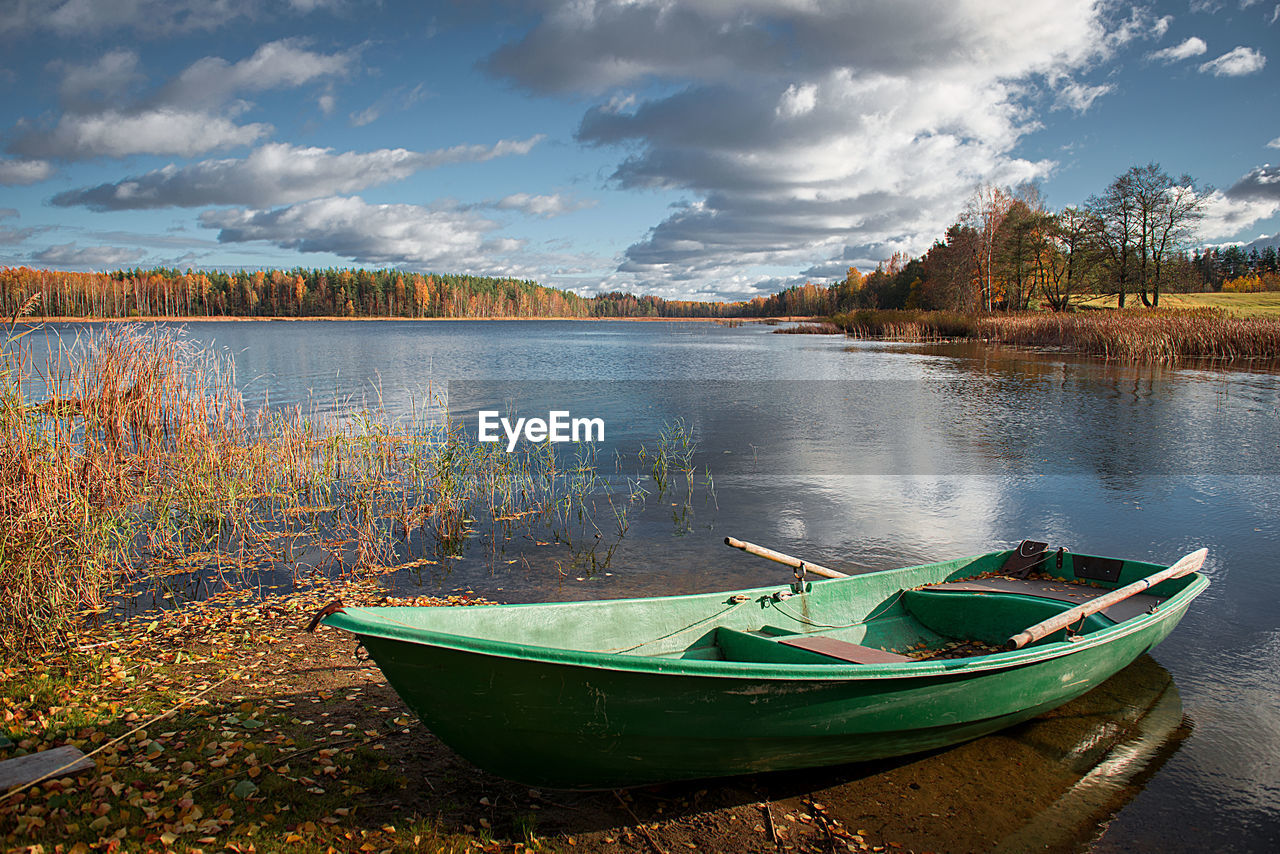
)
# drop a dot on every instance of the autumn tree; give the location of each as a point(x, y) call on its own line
point(1021, 240)
point(985, 213)
point(1069, 258)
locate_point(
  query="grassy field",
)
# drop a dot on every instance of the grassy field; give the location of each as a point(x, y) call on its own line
point(1265, 304)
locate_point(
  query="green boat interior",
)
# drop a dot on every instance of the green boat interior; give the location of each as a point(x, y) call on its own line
point(930, 621)
point(915, 625)
point(962, 608)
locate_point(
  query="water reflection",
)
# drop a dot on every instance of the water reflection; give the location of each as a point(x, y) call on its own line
point(1052, 784)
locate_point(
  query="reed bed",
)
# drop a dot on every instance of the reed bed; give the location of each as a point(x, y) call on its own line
point(1136, 335)
point(133, 461)
point(907, 325)
point(809, 329)
point(1165, 335)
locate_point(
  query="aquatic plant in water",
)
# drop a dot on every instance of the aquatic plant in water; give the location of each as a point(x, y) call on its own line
point(129, 459)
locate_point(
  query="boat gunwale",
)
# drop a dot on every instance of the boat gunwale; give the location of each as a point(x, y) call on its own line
point(361, 625)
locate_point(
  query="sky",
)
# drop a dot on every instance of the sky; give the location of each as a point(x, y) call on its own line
point(692, 149)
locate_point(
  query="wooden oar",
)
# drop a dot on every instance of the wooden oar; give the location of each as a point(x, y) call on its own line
point(786, 560)
point(1187, 565)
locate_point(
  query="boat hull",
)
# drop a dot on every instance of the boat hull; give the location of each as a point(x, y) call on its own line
point(629, 692)
point(565, 725)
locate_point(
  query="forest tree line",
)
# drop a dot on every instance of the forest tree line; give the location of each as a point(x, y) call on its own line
point(1006, 252)
point(317, 293)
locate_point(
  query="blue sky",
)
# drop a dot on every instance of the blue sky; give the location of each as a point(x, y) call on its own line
point(700, 149)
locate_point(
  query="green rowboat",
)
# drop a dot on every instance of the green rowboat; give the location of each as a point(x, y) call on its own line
point(607, 694)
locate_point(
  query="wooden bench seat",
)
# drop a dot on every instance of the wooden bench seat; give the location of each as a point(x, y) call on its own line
point(843, 650)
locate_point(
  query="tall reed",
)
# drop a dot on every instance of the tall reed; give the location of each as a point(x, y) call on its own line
point(906, 325)
point(130, 455)
point(1166, 335)
point(1142, 335)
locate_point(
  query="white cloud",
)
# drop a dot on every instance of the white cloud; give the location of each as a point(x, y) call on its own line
point(546, 206)
point(283, 64)
point(1253, 198)
point(367, 116)
point(69, 256)
point(13, 236)
point(374, 235)
point(1275, 143)
point(1080, 97)
point(312, 5)
point(187, 117)
point(148, 17)
point(21, 172)
point(600, 45)
point(806, 133)
point(398, 98)
point(1193, 46)
point(111, 76)
point(1139, 25)
point(797, 100)
point(278, 173)
point(1261, 182)
point(1226, 215)
point(10, 236)
point(166, 131)
point(1235, 63)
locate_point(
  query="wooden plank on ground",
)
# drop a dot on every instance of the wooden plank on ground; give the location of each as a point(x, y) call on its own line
point(58, 762)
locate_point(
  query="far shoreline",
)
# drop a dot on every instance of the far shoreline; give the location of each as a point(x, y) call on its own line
point(231, 318)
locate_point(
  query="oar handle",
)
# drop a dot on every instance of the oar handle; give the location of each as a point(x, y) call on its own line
point(784, 559)
point(1187, 565)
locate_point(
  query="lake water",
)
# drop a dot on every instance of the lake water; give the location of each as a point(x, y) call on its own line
point(867, 456)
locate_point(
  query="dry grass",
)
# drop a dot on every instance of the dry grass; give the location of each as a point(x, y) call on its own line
point(809, 329)
point(136, 462)
point(1138, 335)
point(907, 325)
point(1165, 335)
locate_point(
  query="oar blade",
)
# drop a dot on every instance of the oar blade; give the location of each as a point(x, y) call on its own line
point(1189, 563)
point(1185, 566)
